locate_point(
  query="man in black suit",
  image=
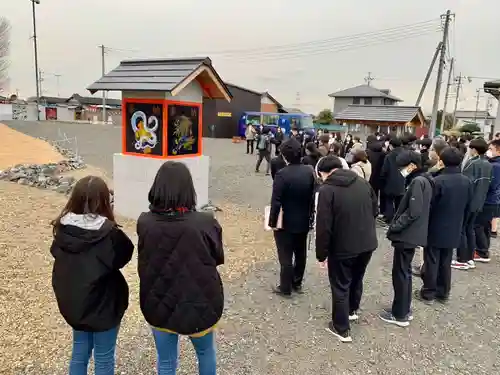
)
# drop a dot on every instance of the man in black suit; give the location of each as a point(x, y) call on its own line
point(292, 204)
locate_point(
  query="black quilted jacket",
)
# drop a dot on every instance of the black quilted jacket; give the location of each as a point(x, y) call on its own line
point(180, 288)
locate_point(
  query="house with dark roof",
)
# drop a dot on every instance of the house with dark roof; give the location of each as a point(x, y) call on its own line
point(362, 95)
point(225, 116)
point(83, 101)
point(47, 100)
point(384, 118)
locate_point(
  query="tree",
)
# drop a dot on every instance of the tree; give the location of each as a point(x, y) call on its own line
point(4, 51)
point(325, 117)
point(470, 127)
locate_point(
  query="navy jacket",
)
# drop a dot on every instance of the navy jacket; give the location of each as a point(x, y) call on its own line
point(452, 195)
point(479, 171)
point(493, 196)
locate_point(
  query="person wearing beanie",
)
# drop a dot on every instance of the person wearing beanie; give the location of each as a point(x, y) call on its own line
point(347, 207)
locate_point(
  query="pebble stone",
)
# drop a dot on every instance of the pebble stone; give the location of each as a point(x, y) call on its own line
point(46, 176)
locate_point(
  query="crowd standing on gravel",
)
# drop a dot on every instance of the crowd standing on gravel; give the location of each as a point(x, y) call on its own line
point(431, 196)
point(435, 195)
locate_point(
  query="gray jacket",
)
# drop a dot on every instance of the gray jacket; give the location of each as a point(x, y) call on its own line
point(411, 222)
point(479, 170)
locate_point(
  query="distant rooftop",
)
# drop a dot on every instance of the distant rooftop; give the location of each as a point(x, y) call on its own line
point(364, 91)
point(380, 113)
point(468, 114)
point(167, 75)
point(493, 88)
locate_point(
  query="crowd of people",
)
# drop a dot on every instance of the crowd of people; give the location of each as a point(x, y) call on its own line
point(433, 196)
point(438, 195)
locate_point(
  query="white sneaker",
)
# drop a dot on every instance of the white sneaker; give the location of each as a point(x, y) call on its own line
point(471, 264)
point(353, 317)
point(460, 266)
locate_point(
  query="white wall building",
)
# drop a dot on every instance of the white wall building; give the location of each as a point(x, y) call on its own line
point(482, 118)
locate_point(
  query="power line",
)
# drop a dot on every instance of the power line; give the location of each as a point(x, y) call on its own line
point(321, 46)
point(332, 49)
point(328, 41)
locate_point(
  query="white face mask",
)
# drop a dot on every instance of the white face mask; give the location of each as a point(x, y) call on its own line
point(404, 172)
point(386, 144)
point(489, 154)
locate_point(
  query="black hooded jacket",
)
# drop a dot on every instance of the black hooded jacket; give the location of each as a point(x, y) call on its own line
point(91, 292)
point(345, 221)
point(392, 182)
point(376, 157)
point(180, 288)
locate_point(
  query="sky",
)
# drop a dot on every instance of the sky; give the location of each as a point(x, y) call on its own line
point(298, 51)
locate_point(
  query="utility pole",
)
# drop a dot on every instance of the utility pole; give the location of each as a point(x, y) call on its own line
point(450, 74)
point(103, 63)
point(428, 75)
point(297, 100)
point(437, 93)
point(478, 91)
point(369, 79)
point(486, 115)
point(40, 79)
point(459, 86)
point(57, 83)
point(35, 47)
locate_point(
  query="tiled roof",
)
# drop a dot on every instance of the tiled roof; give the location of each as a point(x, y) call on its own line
point(363, 91)
point(493, 88)
point(465, 114)
point(379, 113)
point(156, 75)
point(90, 100)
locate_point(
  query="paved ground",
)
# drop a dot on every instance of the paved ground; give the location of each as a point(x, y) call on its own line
point(262, 334)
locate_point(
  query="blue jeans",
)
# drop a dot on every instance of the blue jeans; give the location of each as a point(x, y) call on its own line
point(167, 347)
point(102, 343)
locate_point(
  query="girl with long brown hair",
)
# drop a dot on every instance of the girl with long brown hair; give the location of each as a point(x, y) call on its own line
point(89, 249)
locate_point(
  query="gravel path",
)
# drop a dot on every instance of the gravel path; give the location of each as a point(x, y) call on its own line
point(263, 334)
point(232, 176)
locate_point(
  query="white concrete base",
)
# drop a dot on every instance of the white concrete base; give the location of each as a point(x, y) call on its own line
point(134, 175)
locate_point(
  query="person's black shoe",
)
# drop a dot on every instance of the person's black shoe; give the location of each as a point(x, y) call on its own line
point(298, 289)
point(277, 290)
point(442, 300)
point(387, 317)
point(417, 294)
point(343, 337)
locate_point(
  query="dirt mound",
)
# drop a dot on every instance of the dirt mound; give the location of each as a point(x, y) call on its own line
point(18, 148)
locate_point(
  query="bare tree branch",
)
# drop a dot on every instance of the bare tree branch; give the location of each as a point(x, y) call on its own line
point(4, 51)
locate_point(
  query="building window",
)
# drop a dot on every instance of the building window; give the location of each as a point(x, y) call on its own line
point(356, 101)
point(368, 101)
point(388, 101)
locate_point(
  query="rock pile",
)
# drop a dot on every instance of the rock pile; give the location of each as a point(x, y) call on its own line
point(46, 176)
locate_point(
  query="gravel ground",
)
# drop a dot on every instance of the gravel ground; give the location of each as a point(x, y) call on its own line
point(260, 333)
point(232, 176)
